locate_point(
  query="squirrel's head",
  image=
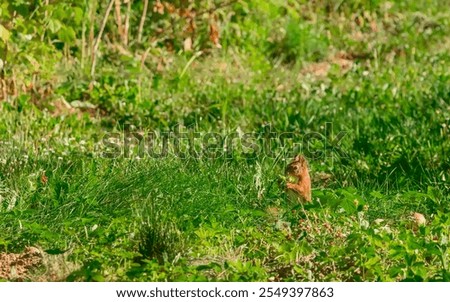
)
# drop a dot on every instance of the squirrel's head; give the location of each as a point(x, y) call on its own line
point(298, 166)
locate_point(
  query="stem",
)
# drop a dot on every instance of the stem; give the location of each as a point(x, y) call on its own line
point(83, 39)
point(99, 37)
point(91, 28)
point(127, 23)
point(191, 60)
point(118, 16)
point(141, 24)
point(45, 18)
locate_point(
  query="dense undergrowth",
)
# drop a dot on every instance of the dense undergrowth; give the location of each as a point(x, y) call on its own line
point(236, 89)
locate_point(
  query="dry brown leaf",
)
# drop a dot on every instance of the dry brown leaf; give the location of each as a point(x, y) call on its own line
point(419, 219)
point(191, 26)
point(344, 64)
point(187, 44)
point(160, 67)
point(62, 108)
point(214, 35)
point(170, 7)
point(187, 13)
point(273, 213)
point(374, 26)
point(357, 36)
point(44, 179)
point(222, 66)
point(158, 7)
point(320, 69)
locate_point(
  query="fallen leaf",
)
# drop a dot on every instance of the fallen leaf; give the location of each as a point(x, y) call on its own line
point(158, 7)
point(170, 7)
point(317, 69)
point(214, 35)
point(419, 219)
point(187, 44)
point(44, 179)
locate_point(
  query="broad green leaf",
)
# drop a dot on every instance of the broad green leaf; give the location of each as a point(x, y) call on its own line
point(67, 34)
point(77, 15)
point(4, 33)
point(348, 205)
point(54, 25)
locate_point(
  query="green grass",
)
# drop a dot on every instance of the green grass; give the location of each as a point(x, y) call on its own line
point(210, 216)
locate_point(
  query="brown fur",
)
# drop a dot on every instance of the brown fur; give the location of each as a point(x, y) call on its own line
point(299, 181)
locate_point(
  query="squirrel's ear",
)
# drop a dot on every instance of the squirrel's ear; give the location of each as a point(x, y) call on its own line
point(299, 158)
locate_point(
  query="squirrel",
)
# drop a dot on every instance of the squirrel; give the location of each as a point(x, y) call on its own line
point(298, 180)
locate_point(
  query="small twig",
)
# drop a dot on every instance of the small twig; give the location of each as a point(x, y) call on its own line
point(46, 2)
point(141, 24)
point(118, 16)
point(99, 37)
point(45, 18)
point(4, 94)
point(83, 43)
point(127, 22)
point(144, 56)
point(3, 62)
point(92, 6)
point(14, 85)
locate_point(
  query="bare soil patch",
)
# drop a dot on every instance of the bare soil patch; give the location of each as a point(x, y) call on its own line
point(18, 266)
